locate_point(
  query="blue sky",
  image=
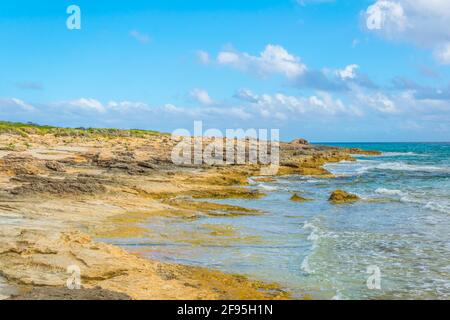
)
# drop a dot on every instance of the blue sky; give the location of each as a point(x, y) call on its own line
point(312, 68)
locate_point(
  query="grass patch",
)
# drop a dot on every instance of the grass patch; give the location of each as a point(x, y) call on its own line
point(25, 129)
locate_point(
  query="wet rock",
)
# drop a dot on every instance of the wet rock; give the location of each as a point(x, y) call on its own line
point(264, 179)
point(341, 196)
point(38, 184)
point(146, 164)
point(54, 293)
point(364, 152)
point(297, 198)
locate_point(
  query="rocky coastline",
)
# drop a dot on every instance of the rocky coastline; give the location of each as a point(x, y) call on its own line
point(60, 189)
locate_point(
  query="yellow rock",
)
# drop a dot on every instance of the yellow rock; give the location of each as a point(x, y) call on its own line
point(295, 197)
point(341, 196)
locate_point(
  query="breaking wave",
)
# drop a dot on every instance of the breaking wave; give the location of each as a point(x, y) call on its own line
point(422, 199)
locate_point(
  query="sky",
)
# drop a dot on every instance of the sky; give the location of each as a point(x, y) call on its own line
point(324, 70)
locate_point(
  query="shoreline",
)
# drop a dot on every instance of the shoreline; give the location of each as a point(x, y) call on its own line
point(59, 191)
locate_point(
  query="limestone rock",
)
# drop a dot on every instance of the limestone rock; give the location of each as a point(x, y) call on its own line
point(296, 198)
point(300, 141)
point(341, 196)
point(55, 166)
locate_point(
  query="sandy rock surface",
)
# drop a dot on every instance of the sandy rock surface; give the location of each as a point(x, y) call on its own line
point(58, 193)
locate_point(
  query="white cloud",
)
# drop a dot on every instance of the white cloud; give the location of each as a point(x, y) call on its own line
point(246, 95)
point(171, 108)
point(140, 37)
point(232, 58)
point(274, 59)
point(386, 15)
point(329, 105)
point(203, 57)
point(15, 104)
point(378, 101)
point(87, 104)
point(90, 104)
point(124, 106)
point(321, 103)
point(349, 72)
point(442, 54)
point(201, 96)
point(22, 104)
point(421, 22)
point(360, 107)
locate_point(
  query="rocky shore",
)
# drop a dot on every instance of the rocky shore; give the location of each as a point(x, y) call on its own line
point(62, 188)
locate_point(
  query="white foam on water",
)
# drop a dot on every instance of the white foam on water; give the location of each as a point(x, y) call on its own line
point(267, 187)
point(390, 192)
point(305, 266)
point(402, 166)
point(314, 237)
point(338, 296)
point(421, 199)
point(392, 154)
point(438, 207)
point(359, 167)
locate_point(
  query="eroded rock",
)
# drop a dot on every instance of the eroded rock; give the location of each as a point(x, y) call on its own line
point(55, 166)
point(341, 196)
point(297, 198)
point(38, 184)
point(300, 142)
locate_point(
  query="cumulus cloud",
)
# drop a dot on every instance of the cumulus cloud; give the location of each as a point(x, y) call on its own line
point(405, 103)
point(359, 106)
point(421, 22)
point(349, 72)
point(321, 103)
point(140, 37)
point(125, 106)
point(334, 79)
point(274, 59)
point(15, 104)
point(94, 105)
point(201, 96)
point(378, 101)
point(87, 104)
point(387, 17)
point(246, 95)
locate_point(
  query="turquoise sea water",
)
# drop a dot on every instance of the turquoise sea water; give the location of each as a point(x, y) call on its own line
point(401, 226)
